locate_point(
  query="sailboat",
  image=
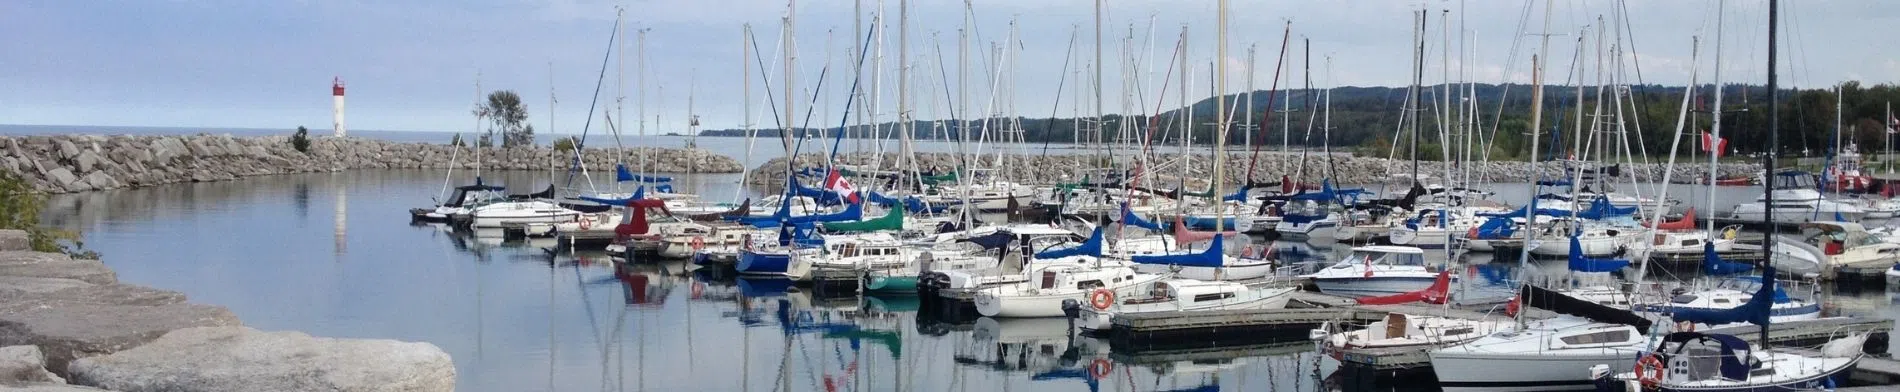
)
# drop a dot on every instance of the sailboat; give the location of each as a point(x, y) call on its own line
point(1054, 281)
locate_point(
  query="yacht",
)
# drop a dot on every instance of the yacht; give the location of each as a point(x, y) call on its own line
point(1824, 248)
point(1400, 331)
point(1178, 295)
point(1732, 293)
point(1693, 361)
point(497, 215)
point(1797, 202)
point(1210, 263)
point(1376, 271)
point(460, 202)
point(1306, 219)
point(1044, 295)
point(1593, 239)
point(1364, 224)
point(1544, 354)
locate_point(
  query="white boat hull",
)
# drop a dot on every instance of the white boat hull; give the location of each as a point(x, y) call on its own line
point(1466, 371)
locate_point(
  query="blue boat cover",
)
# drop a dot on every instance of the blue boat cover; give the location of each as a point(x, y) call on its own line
point(621, 174)
point(1600, 208)
point(1714, 265)
point(1755, 311)
point(1301, 218)
point(1130, 219)
point(1554, 182)
point(1238, 195)
point(1091, 247)
point(880, 199)
point(1211, 257)
point(1495, 228)
point(1199, 223)
point(1578, 263)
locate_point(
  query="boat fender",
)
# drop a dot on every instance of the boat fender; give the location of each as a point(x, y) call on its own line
point(1100, 368)
point(1101, 299)
point(1649, 370)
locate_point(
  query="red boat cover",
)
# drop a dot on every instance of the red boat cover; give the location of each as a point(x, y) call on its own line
point(1686, 223)
point(636, 219)
point(1436, 294)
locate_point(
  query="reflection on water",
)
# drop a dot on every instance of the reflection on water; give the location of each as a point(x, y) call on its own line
point(516, 318)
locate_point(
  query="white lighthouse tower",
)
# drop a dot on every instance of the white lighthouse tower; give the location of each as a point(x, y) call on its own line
point(336, 93)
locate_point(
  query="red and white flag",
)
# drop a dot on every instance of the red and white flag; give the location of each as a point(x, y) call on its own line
point(1893, 126)
point(1713, 144)
point(836, 183)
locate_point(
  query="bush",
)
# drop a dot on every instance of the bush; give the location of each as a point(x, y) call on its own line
point(565, 144)
point(300, 140)
point(20, 209)
point(457, 141)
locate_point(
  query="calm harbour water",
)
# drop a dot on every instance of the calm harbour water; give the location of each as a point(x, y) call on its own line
point(334, 255)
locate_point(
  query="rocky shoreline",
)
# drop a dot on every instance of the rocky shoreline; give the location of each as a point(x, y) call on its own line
point(1046, 169)
point(68, 320)
point(78, 163)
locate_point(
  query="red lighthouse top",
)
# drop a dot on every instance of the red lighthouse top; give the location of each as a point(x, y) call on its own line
point(336, 87)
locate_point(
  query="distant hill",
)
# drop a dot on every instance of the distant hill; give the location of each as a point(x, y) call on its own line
point(1367, 119)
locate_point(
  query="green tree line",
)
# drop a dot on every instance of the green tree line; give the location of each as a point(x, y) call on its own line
point(1367, 120)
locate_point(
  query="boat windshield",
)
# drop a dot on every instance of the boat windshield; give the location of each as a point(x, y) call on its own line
point(1386, 258)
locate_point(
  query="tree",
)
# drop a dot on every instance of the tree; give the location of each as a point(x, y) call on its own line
point(456, 141)
point(300, 140)
point(507, 114)
point(565, 144)
point(20, 209)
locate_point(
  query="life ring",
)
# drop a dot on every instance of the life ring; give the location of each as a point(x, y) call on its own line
point(1101, 299)
point(586, 223)
point(698, 289)
point(1100, 368)
point(699, 243)
point(1649, 370)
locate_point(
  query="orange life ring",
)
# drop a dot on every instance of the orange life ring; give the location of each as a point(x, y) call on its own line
point(585, 223)
point(1649, 370)
point(1100, 368)
point(1101, 299)
point(699, 243)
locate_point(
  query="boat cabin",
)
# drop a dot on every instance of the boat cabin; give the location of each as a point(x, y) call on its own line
point(1082, 279)
point(1385, 254)
point(473, 195)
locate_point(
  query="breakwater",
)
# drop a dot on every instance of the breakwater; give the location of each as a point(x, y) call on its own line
point(1346, 169)
point(77, 163)
point(67, 322)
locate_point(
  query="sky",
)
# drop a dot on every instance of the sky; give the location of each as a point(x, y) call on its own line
point(414, 65)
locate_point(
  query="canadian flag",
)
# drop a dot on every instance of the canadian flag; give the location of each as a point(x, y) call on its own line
point(1713, 144)
point(836, 183)
point(1893, 126)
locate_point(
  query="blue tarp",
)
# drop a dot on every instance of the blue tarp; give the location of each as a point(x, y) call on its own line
point(622, 175)
point(1091, 247)
point(1211, 257)
point(1301, 218)
point(1130, 219)
point(880, 199)
point(1714, 265)
point(1755, 311)
point(1238, 195)
point(1496, 228)
point(1600, 208)
point(1578, 263)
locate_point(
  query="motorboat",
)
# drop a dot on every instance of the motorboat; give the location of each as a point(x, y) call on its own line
point(501, 214)
point(1797, 202)
point(463, 199)
point(1825, 248)
point(1178, 295)
point(1376, 271)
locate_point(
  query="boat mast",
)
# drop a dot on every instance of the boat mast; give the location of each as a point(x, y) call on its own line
point(1418, 77)
point(1774, 147)
point(1220, 114)
point(745, 98)
point(1537, 121)
point(1715, 126)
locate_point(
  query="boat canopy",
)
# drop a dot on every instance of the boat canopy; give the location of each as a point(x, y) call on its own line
point(1210, 257)
point(1090, 247)
point(1579, 263)
point(1496, 227)
point(991, 241)
point(1714, 265)
point(1732, 366)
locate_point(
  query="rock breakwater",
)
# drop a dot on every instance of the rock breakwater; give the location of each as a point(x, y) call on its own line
point(1347, 169)
point(68, 319)
point(77, 163)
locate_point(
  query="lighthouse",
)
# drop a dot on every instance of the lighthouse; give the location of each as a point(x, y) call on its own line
point(336, 115)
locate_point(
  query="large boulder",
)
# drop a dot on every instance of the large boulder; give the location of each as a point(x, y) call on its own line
point(54, 265)
point(66, 331)
point(61, 175)
point(215, 359)
point(46, 387)
point(14, 240)
point(66, 148)
point(24, 364)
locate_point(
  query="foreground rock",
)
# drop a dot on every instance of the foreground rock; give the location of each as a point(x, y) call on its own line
point(21, 365)
point(46, 387)
point(13, 240)
point(54, 265)
point(77, 163)
point(216, 359)
point(1345, 168)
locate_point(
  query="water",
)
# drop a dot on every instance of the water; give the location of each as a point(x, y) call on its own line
point(333, 254)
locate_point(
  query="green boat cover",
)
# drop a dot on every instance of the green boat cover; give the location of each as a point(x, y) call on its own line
point(893, 220)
